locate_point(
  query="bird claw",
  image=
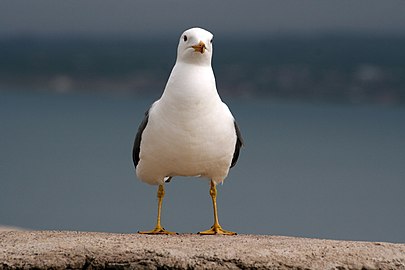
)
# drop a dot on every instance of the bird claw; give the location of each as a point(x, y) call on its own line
point(158, 230)
point(217, 229)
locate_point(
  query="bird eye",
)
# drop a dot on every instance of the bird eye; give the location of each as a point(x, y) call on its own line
point(211, 40)
point(185, 38)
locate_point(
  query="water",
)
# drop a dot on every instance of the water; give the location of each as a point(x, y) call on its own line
point(313, 170)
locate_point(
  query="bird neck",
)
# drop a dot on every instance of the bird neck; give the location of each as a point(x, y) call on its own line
point(194, 59)
point(191, 84)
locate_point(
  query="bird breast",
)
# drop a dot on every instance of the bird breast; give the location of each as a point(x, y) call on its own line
point(190, 130)
point(194, 134)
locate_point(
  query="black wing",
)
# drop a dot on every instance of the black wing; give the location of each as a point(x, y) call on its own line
point(238, 145)
point(137, 143)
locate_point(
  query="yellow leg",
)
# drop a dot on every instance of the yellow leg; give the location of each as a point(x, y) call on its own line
point(216, 228)
point(159, 229)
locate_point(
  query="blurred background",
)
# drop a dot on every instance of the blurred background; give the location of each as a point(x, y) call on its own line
point(317, 87)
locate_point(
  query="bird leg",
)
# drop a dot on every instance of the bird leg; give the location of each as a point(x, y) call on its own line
point(159, 229)
point(216, 228)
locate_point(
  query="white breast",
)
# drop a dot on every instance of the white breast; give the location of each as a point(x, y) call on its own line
point(190, 130)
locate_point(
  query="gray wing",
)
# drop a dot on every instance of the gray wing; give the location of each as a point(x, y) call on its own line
point(238, 145)
point(137, 143)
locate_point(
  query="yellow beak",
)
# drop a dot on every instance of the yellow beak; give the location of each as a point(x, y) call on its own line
point(200, 47)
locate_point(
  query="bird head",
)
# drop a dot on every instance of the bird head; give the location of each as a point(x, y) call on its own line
point(195, 47)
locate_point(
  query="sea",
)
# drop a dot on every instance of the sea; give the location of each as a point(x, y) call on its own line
point(323, 120)
point(320, 170)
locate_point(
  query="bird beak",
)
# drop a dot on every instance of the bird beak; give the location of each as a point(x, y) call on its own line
point(200, 47)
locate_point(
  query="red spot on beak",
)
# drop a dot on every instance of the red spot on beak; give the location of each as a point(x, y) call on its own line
point(200, 47)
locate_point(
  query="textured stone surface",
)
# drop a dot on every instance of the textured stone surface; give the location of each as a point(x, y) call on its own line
point(81, 250)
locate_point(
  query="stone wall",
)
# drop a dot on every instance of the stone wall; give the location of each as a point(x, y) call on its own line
point(91, 250)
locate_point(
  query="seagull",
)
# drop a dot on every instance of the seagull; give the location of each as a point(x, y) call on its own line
point(189, 131)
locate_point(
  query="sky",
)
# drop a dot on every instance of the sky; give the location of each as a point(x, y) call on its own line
point(164, 17)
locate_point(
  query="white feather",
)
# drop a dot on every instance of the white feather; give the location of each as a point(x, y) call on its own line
point(190, 131)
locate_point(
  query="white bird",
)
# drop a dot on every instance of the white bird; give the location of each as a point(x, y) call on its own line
point(189, 131)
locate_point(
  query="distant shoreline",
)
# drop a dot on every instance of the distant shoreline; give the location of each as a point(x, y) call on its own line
point(334, 68)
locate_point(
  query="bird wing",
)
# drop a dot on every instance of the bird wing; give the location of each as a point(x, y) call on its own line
point(137, 143)
point(238, 144)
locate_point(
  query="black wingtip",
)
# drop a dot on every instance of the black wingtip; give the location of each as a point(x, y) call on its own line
point(238, 145)
point(137, 143)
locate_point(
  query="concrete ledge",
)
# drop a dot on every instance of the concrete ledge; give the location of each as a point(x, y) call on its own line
point(86, 250)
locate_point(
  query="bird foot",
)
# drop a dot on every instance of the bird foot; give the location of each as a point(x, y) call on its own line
point(158, 230)
point(216, 229)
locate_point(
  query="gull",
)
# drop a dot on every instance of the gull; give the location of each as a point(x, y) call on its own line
point(189, 131)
